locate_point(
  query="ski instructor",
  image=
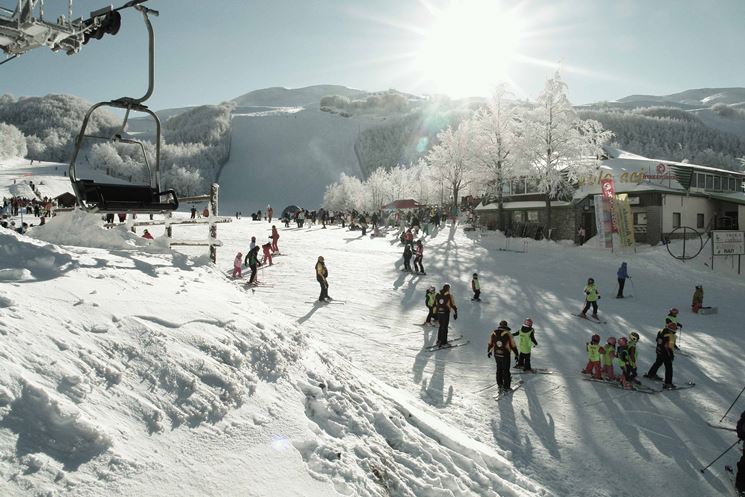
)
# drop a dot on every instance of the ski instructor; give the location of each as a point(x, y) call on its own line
point(444, 302)
point(321, 275)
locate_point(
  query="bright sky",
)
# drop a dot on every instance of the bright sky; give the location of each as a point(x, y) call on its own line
point(210, 51)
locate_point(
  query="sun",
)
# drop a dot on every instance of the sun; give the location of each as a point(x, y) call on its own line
point(469, 47)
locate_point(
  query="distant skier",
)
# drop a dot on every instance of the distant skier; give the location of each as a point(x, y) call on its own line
point(665, 350)
point(502, 345)
point(269, 213)
point(275, 238)
point(445, 303)
point(147, 235)
point(698, 299)
point(321, 275)
point(476, 287)
point(607, 355)
point(407, 257)
point(593, 358)
point(418, 256)
point(526, 341)
point(429, 301)
point(237, 265)
point(251, 246)
point(591, 298)
point(622, 274)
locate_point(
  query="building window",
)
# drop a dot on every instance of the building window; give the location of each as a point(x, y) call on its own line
point(640, 218)
point(532, 216)
point(676, 220)
point(700, 180)
point(532, 186)
point(709, 182)
point(733, 184)
point(518, 186)
point(717, 183)
point(517, 216)
point(699, 220)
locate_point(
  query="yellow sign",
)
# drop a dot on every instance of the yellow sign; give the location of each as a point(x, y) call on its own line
point(624, 220)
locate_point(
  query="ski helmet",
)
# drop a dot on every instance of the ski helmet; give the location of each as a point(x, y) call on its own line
point(475, 275)
point(595, 338)
point(612, 340)
point(634, 336)
point(432, 289)
point(446, 286)
point(622, 341)
point(590, 280)
point(699, 287)
point(503, 323)
point(674, 311)
point(528, 323)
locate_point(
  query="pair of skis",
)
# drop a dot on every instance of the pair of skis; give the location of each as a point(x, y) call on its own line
point(505, 393)
point(451, 344)
point(641, 388)
point(593, 319)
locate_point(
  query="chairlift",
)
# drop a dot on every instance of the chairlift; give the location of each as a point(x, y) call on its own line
point(112, 197)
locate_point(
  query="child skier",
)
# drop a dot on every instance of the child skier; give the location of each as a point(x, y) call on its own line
point(418, 255)
point(525, 342)
point(237, 266)
point(622, 360)
point(275, 239)
point(631, 348)
point(476, 287)
point(429, 301)
point(622, 274)
point(407, 257)
point(593, 357)
point(607, 354)
point(267, 248)
point(591, 298)
point(672, 317)
point(501, 344)
point(698, 299)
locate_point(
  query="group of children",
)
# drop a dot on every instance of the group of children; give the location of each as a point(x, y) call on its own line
point(252, 257)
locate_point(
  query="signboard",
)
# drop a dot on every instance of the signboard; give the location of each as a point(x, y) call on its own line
point(603, 222)
point(624, 220)
point(608, 190)
point(728, 242)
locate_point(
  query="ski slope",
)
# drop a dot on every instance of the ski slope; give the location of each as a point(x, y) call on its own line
point(129, 369)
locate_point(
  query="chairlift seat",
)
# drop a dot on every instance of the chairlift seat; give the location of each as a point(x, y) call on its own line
point(111, 197)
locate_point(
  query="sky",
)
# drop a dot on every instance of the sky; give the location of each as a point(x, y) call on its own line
point(208, 52)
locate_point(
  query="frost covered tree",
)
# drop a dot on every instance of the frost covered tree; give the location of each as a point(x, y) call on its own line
point(496, 131)
point(557, 145)
point(184, 180)
point(12, 142)
point(452, 159)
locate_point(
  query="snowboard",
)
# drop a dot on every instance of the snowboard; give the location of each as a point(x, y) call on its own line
point(592, 320)
point(502, 395)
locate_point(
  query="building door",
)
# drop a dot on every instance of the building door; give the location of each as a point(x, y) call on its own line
point(588, 222)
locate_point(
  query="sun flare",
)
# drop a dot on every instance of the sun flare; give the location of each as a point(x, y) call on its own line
point(469, 47)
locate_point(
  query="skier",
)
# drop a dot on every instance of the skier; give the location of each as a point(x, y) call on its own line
point(444, 303)
point(250, 248)
point(275, 238)
point(237, 266)
point(418, 255)
point(321, 275)
point(632, 342)
point(269, 213)
point(407, 257)
point(623, 362)
point(593, 357)
point(672, 317)
point(698, 299)
point(147, 235)
point(253, 261)
point(501, 344)
point(622, 275)
point(665, 354)
point(607, 354)
point(267, 248)
point(591, 298)
point(526, 342)
point(740, 478)
point(429, 301)
point(476, 287)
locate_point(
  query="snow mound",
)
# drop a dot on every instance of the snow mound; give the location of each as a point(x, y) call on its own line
point(27, 260)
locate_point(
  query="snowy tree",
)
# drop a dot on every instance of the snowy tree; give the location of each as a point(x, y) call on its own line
point(377, 188)
point(495, 134)
point(452, 160)
point(557, 145)
point(12, 142)
point(184, 180)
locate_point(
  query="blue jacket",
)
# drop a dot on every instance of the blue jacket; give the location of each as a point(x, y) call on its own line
point(622, 272)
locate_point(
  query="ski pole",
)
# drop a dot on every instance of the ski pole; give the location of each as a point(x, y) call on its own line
point(720, 456)
point(633, 288)
point(733, 404)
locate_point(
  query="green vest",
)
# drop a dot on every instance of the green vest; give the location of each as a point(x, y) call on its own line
point(632, 354)
point(608, 351)
point(593, 352)
point(591, 292)
point(526, 344)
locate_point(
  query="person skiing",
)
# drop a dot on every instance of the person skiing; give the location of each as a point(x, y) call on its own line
point(631, 348)
point(321, 275)
point(622, 274)
point(250, 248)
point(418, 255)
point(269, 213)
point(407, 257)
point(237, 266)
point(501, 345)
point(253, 261)
point(593, 358)
point(665, 350)
point(275, 238)
point(591, 298)
point(672, 317)
point(267, 248)
point(147, 235)
point(526, 341)
point(476, 287)
point(429, 301)
point(622, 360)
point(444, 302)
point(607, 354)
point(698, 299)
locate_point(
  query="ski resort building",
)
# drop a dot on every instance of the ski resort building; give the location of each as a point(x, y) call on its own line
point(664, 195)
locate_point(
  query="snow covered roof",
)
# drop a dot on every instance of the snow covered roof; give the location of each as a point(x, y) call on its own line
point(528, 204)
point(734, 197)
point(408, 203)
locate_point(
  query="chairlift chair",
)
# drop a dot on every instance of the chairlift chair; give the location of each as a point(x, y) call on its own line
point(112, 197)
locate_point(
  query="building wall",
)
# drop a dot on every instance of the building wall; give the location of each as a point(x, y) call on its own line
point(654, 224)
point(688, 207)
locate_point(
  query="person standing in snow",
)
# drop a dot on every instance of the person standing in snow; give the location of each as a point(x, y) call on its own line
point(275, 238)
point(321, 275)
point(250, 248)
point(418, 256)
point(632, 343)
point(407, 257)
point(591, 298)
point(607, 355)
point(698, 299)
point(429, 301)
point(622, 274)
point(237, 266)
point(526, 341)
point(665, 350)
point(267, 249)
point(253, 262)
point(593, 358)
point(476, 288)
point(445, 303)
point(502, 345)
point(622, 360)
point(672, 317)
point(269, 213)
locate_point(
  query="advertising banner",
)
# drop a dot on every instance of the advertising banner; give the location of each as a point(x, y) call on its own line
point(624, 220)
point(608, 190)
point(603, 222)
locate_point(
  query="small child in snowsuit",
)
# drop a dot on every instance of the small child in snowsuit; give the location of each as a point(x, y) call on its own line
point(698, 299)
point(593, 357)
point(525, 344)
point(237, 266)
point(476, 287)
point(607, 354)
point(407, 257)
point(267, 248)
point(631, 348)
point(429, 301)
point(622, 361)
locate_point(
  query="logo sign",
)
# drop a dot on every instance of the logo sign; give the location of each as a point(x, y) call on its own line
point(608, 188)
point(660, 168)
point(728, 242)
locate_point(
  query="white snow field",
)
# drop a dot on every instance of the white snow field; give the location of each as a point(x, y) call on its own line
point(129, 369)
